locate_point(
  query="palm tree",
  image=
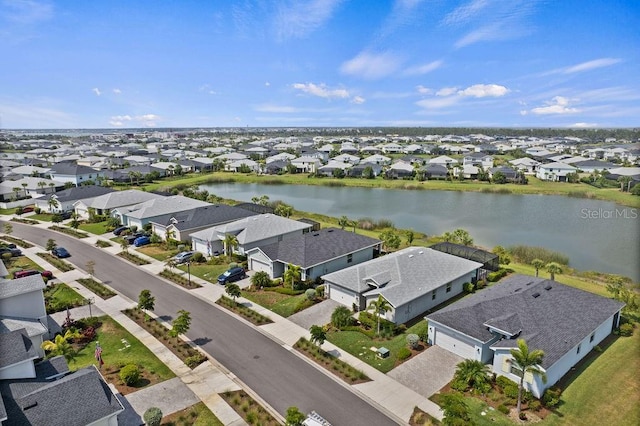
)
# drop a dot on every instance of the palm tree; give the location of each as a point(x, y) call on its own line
point(379, 306)
point(553, 268)
point(292, 274)
point(61, 346)
point(473, 373)
point(230, 243)
point(53, 204)
point(537, 263)
point(624, 180)
point(343, 221)
point(527, 362)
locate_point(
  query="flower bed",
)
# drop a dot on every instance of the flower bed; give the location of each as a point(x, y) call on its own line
point(338, 367)
point(179, 279)
point(189, 355)
point(96, 287)
point(133, 258)
point(60, 264)
point(69, 231)
point(247, 313)
point(248, 408)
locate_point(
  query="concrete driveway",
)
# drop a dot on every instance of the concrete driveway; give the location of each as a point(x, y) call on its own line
point(318, 314)
point(427, 372)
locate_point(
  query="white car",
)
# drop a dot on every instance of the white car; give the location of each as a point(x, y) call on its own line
point(183, 256)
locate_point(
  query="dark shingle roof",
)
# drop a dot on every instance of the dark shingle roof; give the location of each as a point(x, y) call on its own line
point(82, 192)
point(317, 247)
point(15, 346)
point(70, 168)
point(203, 216)
point(553, 317)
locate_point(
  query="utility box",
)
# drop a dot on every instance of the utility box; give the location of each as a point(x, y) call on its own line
point(383, 353)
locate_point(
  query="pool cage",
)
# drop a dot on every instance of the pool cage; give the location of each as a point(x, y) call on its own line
point(490, 261)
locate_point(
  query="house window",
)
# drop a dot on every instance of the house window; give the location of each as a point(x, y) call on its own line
point(448, 287)
point(433, 295)
point(593, 336)
point(515, 370)
point(578, 350)
point(349, 258)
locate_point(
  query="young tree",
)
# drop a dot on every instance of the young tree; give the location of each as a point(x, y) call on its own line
point(390, 239)
point(538, 264)
point(410, 236)
point(379, 307)
point(51, 244)
point(343, 221)
point(318, 335)
point(53, 204)
point(292, 274)
point(91, 267)
point(8, 228)
point(181, 324)
point(146, 302)
point(341, 317)
point(124, 245)
point(260, 279)
point(504, 258)
point(283, 210)
point(75, 223)
point(294, 417)
point(455, 410)
point(528, 362)
point(233, 290)
point(553, 268)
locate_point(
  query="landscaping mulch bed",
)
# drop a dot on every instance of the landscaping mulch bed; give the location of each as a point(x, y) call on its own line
point(69, 231)
point(111, 374)
point(26, 221)
point(189, 355)
point(58, 263)
point(96, 287)
point(179, 279)
point(248, 408)
point(247, 313)
point(17, 241)
point(420, 418)
point(338, 367)
point(197, 414)
point(103, 244)
point(133, 258)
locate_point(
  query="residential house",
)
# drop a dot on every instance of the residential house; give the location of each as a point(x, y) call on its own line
point(347, 158)
point(383, 160)
point(357, 170)
point(66, 198)
point(142, 213)
point(250, 232)
point(564, 322)
point(443, 160)
point(332, 165)
point(74, 173)
point(508, 172)
point(33, 171)
point(435, 171)
point(392, 148)
point(590, 166)
point(478, 159)
point(276, 167)
point(413, 149)
point(400, 170)
point(306, 164)
point(240, 165)
point(105, 204)
point(316, 253)
point(412, 280)
point(526, 165)
point(180, 225)
point(555, 171)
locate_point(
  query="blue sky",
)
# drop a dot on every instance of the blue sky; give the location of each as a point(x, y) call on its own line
point(119, 64)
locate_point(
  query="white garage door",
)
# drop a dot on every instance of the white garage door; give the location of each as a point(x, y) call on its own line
point(454, 345)
point(341, 296)
point(258, 266)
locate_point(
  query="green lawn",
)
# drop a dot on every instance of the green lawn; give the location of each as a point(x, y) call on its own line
point(359, 345)
point(21, 262)
point(606, 390)
point(196, 415)
point(45, 217)
point(492, 417)
point(206, 271)
point(114, 352)
point(282, 304)
point(60, 296)
point(94, 228)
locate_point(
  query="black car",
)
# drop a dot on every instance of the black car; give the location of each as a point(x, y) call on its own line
point(13, 250)
point(131, 238)
point(233, 274)
point(66, 215)
point(60, 252)
point(119, 230)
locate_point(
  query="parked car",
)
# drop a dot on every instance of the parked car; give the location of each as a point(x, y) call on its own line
point(119, 230)
point(231, 275)
point(131, 238)
point(28, 209)
point(183, 256)
point(141, 241)
point(28, 272)
point(13, 250)
point(66, 215)
point(60, 252)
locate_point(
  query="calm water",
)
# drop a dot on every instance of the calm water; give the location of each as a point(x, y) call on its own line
point(596, 235)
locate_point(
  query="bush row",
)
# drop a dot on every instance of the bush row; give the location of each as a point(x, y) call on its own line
point(329, 361)
point(60, 264)
point(178, 279)
point(69, 231)
point(247, 313)
point(133, 258)
point(96, 287)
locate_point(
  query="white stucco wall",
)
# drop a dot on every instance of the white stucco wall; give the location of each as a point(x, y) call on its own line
point(22, 370)
point(29, 305)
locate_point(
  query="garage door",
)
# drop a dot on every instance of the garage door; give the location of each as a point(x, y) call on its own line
point(258, 266)
point(454, 345)
point(341, 296)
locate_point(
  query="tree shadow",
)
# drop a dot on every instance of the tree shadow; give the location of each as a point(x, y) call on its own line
point(202, 340)
point(165, 318)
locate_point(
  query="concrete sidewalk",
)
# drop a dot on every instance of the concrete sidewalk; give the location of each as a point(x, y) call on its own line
point(206, 381)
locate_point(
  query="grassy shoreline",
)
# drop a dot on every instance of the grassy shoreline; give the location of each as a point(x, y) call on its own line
point(535, 186)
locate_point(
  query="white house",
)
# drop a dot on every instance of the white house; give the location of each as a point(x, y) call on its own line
point(306, 164)
point(140, 214)
point(383, 160)
point(107, 203)
point(443, 160)
point(525, 164)
point(72, 172)
point(556, 172)
point(412, 280)
point(562, 321)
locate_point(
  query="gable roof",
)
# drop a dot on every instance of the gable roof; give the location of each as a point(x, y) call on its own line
point(552, 317)
point(253, 228)
point(81, 192)
point(404, 275)
point(22, 285)
point(71, 168)
point(116, 199)
point(317, 247)
point(15, 347)
point(162, 206)
point(202, 216)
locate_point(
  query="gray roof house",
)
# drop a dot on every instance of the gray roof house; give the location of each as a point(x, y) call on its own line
point(69, 171)
point(183, 224)
point(105, 204)
point(252, 231)
point(316, 253)
point(147, 211)
point(67, 197)
point(564, 322)
point(413, 280)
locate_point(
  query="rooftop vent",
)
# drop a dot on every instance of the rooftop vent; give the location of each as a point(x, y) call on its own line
point(330, 230)
point(28, 406)
point(316, 235)
point(548, 287)
point(536, 295)
point(529, 283)
point(421, 252)
point(410, 256)
point(517, 290)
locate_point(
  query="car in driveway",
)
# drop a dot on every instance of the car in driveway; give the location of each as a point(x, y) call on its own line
point(131, 238)
point(15, 251)
point(60, 252)
point(28, 272)
point(119, 230)
point(231, 275)
point(142, 241)
point(28, 209)
point(183, 256)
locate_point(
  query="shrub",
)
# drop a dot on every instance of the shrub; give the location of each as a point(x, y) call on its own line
point(535, 405)
point(198, 257)
point(503, 409)
point(320, 291)
point(413, 340)
point(403, 353)
point(153, 416)
point(526, 254)
point(495, 276)
point(310, 294)
point(551, 398)
point(468, 287)
point(130, 374)
point(341, 317)
point(626, 330)
point(194, 360)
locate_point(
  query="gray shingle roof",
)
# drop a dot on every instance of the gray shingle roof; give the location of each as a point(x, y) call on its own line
point(403, 275)
point(33, 327)
point(121, 198)
point(553, 317)
point(15, 347)
point(22, 285)
point(71, 168)
point(253, 228)
point(163, 205)
point(317, 247)
point(82, 192)
point(202, 216)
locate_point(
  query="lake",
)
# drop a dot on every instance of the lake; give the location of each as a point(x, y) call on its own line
point(596, 235)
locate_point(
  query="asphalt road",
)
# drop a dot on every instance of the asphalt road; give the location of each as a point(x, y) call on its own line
point(280, 377)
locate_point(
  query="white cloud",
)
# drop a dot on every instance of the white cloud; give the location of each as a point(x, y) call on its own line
point(117, 91)
point(583, 125)
point(321, 90)
point(146, 120)
point(205, 88)
point(465, 13)
point(447, 91)
point(424, 68)
point(437, 103)
point(275, 108)
point(119, 120)
point(558, 105)
point(371, 66)
point(357, 100)
point(27, 11)
point(424, 90)
point(96, 91)
point(267, 84)
point(299, 18)
point(484, 90)
point(590, 65)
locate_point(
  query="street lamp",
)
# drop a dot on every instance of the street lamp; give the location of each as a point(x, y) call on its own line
point(90, 300)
